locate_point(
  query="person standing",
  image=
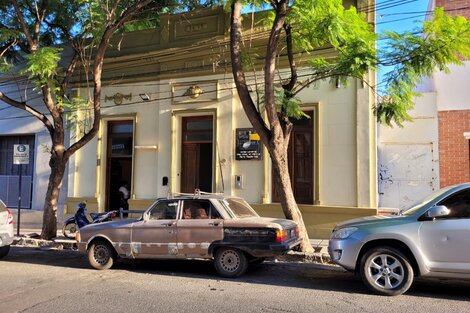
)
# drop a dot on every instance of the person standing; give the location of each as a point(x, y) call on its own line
point(124, 197)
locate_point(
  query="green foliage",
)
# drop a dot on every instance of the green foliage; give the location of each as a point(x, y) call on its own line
point(288, 104)
point(446, 41)
point(43, 64)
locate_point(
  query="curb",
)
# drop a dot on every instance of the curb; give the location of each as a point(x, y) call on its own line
point(68, 244)
point(55, 244)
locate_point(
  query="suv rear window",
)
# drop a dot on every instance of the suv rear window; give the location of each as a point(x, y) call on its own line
point(239, 207)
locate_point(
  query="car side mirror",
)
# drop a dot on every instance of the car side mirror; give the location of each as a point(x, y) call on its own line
point(437, 211)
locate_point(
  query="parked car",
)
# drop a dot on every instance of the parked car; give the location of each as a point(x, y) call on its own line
point(430, 239)
point(225, 229)
point(6, 229)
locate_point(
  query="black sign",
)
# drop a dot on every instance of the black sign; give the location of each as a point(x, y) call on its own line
point(248, 145)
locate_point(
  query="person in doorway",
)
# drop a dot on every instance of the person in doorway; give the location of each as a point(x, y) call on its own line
point(124, 197)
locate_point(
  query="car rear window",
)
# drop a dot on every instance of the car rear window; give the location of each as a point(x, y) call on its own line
point(239, 207)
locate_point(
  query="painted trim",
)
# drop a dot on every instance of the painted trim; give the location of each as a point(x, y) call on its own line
point(176, 143)
point(103, 155)
point(268, 185)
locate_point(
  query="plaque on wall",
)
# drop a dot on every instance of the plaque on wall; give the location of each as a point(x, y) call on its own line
point(248, 144)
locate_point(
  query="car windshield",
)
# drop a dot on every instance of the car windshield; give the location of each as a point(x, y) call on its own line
point(239, 208)
point(420, 204)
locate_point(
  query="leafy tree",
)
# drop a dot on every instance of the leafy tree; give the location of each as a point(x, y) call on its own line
point(302, 26)
point(35, 32)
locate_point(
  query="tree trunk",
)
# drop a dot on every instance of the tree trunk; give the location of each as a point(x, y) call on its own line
point(286, 195)
point(49, 228)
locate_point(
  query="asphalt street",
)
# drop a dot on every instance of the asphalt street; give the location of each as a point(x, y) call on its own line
point(34, 280)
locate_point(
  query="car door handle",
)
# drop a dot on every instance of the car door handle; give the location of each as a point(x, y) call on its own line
point(168, 224)
point(214, 223)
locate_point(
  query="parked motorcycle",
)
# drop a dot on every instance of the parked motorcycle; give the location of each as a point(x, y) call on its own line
point(74, 223)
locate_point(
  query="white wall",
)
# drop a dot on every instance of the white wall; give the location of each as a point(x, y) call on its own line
point(14, 121)
point(408, 157)
point(454, 88)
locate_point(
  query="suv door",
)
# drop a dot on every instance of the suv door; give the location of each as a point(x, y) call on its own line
point(445, 240)
point(156, 235)
point(200, 225)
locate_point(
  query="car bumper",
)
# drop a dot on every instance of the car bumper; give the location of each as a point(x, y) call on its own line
point(263, 249)
point(344, 252)
point(6, 238)
point(81, 247)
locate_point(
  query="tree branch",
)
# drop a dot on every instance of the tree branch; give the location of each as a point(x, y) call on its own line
point(32, 45)
point(270, 63)
point(290, 55)
point(23, 106)
point(239, 76)
point(69, 71)
point(7, 47)
point(97, 70)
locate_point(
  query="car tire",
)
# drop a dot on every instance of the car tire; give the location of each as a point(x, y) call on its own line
point(230, 262)
point(101, 255)
point(69, 230)
point(4, 251)
point(386, 271)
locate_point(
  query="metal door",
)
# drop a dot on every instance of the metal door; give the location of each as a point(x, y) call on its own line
point(156, 236)
point(200, 225)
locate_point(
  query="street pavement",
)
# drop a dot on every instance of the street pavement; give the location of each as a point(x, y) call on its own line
point(36, 280)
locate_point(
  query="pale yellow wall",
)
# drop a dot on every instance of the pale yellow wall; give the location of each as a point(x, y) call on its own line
point(158, 123)
point(337, 146)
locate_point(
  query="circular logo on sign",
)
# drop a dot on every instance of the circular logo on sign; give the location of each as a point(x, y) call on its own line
point(21, 148)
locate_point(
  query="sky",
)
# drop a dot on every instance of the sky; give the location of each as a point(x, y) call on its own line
point(399, 16)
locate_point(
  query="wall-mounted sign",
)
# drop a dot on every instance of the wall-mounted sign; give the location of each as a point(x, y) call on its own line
point(248, 143)
point(20, 154)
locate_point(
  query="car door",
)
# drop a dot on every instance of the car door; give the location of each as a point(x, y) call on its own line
point(200, 225)
point(155, 235)
point(446, 240)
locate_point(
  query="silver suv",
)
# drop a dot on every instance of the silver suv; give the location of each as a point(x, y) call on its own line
point(6, 229)
point(430, 239)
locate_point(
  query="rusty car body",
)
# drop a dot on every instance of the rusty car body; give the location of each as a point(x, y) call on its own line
point(224, 229)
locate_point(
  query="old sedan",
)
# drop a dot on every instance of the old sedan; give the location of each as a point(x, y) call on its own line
point(225, 229)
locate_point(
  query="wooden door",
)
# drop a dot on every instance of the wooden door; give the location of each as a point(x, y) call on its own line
point(189, 167)
point(197, 154)
point(300, 160)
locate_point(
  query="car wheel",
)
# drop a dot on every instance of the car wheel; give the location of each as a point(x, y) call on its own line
point(69, 230)
point(101, 255)
point(386, 271)
point(4, 251)
point(230, 262)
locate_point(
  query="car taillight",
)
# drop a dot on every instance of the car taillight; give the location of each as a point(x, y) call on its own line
point(297, 232)
point(281, 235)
point(10, 217)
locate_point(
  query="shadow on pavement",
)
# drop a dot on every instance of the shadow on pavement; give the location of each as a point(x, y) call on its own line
point(295, 275)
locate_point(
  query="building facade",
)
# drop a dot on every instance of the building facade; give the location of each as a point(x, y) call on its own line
point(172, 122)
point(432, 151)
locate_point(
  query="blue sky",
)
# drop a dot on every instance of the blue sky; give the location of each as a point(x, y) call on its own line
point(398, 16)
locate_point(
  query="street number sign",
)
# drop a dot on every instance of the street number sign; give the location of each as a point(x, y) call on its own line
point(20, 154)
